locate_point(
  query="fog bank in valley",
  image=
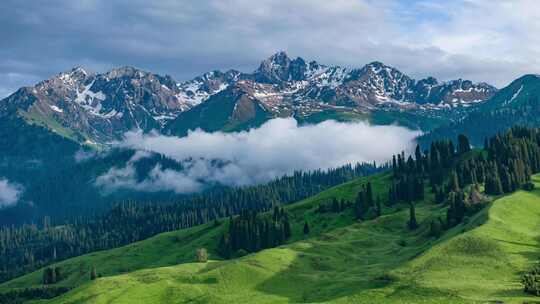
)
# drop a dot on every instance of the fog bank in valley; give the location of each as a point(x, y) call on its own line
point(278, 147)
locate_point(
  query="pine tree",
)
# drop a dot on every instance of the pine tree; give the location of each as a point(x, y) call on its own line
point(335, 205)
point(493, 183)
point(394, 165)
point(306, 228)
point(369, 195)
point(58, 273)
point(93, 273)
point(463, 144)
point(412, 217)
point(418, 159)
point(224, 247)
point(378, 206)
point(52, 274)
point(454, 181)
point(435, 228)
point(360, 205)
point(287, 228)
point(48, 276)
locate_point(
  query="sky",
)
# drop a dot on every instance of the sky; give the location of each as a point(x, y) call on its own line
point(493, 41)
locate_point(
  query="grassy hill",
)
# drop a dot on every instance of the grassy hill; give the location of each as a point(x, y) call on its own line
point(342, 261)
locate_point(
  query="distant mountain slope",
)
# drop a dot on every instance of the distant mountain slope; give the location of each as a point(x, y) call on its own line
point(54, 183)
point(99, 108)
point(516, 104)
point(229, 110)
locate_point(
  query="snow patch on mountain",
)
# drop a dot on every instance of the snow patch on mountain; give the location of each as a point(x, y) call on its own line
point(56, 109)
point(516, 94)
point(90, 100)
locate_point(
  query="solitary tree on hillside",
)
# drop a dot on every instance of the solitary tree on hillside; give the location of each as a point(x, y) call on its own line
point(412, 217)
point(57, 273)
point(306, 228)
point(93, 273)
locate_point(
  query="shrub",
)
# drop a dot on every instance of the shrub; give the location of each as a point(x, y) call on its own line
point(528, 186)
point(202, 255)
point(241, 253)
point(435, 228)
point(531, 281)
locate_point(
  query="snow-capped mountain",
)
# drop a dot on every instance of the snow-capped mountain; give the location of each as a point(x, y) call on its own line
point(102, 107)
point(373, 84)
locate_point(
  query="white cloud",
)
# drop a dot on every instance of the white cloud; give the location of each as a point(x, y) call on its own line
point(9, 193)
point(84, 154)
point(278, 147)
point(484, 40)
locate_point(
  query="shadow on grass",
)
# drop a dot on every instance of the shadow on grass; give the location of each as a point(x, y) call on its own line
point(338, 264)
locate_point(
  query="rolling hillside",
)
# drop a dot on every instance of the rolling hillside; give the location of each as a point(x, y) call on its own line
point(341, 261)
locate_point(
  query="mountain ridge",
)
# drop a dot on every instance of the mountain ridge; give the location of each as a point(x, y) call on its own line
point(516, 104)
point(99, 108)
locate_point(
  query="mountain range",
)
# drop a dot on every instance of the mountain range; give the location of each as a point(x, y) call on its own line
point(99, 108)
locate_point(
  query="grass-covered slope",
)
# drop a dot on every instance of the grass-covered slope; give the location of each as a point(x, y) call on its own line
point(179, 246)
point(342, 261)
point(484, 262)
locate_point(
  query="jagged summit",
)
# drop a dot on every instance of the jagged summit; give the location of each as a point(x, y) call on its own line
point(126, 71)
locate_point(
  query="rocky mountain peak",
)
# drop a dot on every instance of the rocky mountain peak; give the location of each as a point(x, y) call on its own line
point(70, 79)
point(279, 58)
point(79, 72)
point(274, 69)
point(126, 71)
point(280, 68)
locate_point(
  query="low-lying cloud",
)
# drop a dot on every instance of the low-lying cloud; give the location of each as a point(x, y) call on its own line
point(9, 193)
point(277, 148)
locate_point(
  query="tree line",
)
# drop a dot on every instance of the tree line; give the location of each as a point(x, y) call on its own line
point(455, 174)
point(252, 232)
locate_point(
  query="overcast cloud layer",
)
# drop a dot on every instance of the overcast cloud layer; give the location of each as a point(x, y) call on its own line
point(278, 147)
point(9, 193)
point(483, 40)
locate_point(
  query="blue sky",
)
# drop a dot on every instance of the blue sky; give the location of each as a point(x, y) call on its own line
point(482, 40)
